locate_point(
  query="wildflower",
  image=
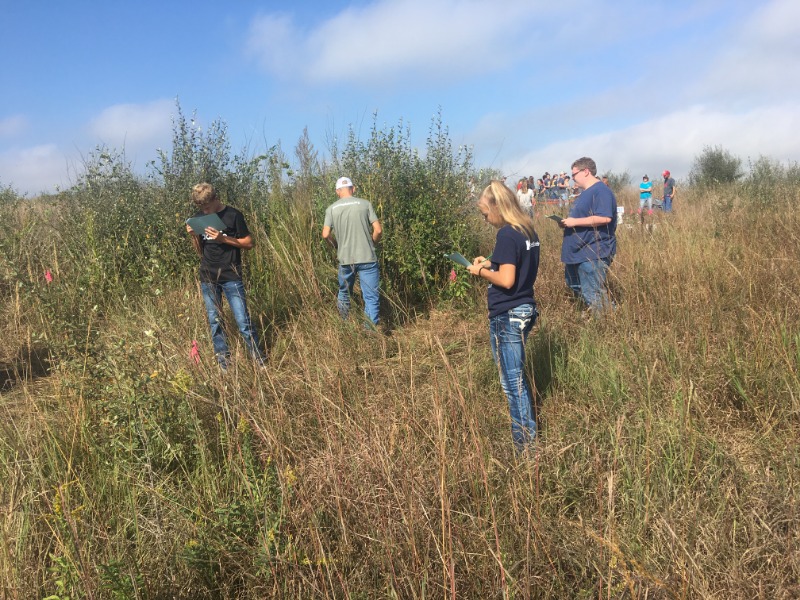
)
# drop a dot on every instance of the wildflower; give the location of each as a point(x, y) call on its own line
point(182, 381)
point(289, 476)
point(453, 275)
point(48, 276)
point(243, 426)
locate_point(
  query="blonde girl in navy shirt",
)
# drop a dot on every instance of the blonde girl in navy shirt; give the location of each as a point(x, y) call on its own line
point(511, 273)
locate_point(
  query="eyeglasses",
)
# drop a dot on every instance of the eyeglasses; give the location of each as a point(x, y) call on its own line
point(576, 172)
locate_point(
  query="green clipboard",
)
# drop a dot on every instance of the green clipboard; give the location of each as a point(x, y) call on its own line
point(199, 224)
point(458, 258)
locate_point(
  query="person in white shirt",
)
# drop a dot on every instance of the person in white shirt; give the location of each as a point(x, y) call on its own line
point(526, 197)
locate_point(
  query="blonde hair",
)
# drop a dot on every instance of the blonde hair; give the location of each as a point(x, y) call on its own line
point(499, 197)
point(203, 193)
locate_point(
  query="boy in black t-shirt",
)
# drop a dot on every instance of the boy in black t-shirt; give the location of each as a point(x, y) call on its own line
point(220, 254)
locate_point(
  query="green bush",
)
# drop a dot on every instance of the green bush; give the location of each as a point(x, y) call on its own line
point(769, 178)
point(423, 203)
point(8, 195)
point(131, 233)
point(618, 181)
point(714, 166)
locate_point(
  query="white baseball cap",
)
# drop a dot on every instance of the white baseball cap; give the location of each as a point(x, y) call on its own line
point(343, 182)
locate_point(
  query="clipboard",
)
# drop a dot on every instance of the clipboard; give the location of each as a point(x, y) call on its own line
point(199, 224)
point(555, 218)
point(458, 258)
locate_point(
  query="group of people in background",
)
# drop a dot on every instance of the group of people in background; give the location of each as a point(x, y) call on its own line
point(548, 188)
point(562, 189)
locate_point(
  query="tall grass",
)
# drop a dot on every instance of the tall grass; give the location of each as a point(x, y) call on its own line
point(380, 464)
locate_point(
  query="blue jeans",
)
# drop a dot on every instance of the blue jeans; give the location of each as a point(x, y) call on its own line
point(508, 332)
point(234, 292)
point(587, 280)
point(369, 278)
point(667, 205)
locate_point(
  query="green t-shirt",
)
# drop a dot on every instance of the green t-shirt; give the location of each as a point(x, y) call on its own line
point(351, 219)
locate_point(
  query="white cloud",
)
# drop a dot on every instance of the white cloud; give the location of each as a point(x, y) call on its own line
point(776, 21)
point(36, 169)
point(738, 94)
point(129, 127)
point(272, 41)
point(391, 40)
point(762, 63)
point(13, 125)
point(134, 125)
point(672, 141)
point(548, 82)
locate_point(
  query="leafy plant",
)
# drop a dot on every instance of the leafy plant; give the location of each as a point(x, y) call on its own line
point(715, 165)
point(618, 181)
point(423, 203)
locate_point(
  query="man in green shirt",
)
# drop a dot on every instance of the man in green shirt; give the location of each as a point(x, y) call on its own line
point(356, 228)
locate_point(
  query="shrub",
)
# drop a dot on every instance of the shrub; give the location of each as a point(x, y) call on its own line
point(8, 195)
point(130, 233)
point(422, 202)
point(618, 181)
point(714, 166)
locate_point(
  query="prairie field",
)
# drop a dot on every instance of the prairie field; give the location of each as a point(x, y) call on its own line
point(379, 464)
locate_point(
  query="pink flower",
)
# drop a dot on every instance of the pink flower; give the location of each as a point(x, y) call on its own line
point(452, 275)
point(194, 354)
point(48, 276)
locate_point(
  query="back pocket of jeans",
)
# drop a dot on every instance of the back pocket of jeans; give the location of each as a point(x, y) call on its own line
point(521, 316)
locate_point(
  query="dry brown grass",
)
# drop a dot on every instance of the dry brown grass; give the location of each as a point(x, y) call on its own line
point(380, 465)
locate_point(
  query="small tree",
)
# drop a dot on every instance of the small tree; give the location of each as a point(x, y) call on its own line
point(714, 166)
point(423, 203)
point(8, 194)
point(618, 181)
point(195, 156)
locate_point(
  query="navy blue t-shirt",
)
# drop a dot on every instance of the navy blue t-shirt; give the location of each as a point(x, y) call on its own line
point(582, 244)
point(513, 248)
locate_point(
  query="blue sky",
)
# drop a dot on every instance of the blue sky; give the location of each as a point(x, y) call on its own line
point(530, 85)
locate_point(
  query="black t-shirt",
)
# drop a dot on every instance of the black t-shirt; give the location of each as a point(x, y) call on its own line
point(514, 248)
point(222, 262)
